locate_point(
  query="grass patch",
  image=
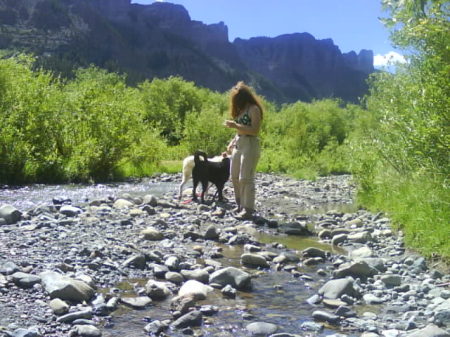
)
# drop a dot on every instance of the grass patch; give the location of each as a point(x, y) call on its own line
point(417, 205)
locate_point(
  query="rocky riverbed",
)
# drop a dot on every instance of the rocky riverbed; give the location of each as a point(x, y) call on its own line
point(137, 264)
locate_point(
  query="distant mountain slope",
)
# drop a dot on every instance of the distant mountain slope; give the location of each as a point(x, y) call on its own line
point(160, 40)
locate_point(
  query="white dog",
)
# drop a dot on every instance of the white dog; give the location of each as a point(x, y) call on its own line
point(188, 166)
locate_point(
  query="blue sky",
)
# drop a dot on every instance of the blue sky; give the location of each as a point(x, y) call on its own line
point(352, 24)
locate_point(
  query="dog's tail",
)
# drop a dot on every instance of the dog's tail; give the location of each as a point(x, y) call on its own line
point(197, 156)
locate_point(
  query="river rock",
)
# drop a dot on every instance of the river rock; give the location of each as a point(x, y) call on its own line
point(157, 290)
point(235, 277)
point(323, 316)
point(30, 332)
point(152, 234)
point(72, 316)
point(430, 330)
point(9, 268)
point(70, 211)
point(200, 275)
point(355, 269)
point(391, 280)
point(86, 331)
point(193, 318)
point(136, 302)
point(296, 228)
point(336, 288)
point(314, 252)
point(196, 289)
point(66, 288)
point(122, 204)
point(212, 233)
point(58, 306)
point(174, 277)
point(261, 328)
point(361, 253)
point(10, 214)
point(24, 280)
point(254, 260)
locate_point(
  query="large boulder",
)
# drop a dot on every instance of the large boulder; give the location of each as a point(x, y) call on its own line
point(10, 214)
point(336, 288)
point(66, 288)
point(235, 277)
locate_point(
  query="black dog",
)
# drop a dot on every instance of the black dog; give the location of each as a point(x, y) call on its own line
point(207, 171)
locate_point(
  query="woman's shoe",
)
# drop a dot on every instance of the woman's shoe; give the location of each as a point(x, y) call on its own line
point(245, 214)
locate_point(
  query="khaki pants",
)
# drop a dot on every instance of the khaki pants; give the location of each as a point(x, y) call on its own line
point(244, 158)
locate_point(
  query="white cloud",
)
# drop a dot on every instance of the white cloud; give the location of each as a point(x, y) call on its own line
point(388, 59)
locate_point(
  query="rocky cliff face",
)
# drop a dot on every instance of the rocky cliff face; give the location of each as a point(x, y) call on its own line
point(160, 40)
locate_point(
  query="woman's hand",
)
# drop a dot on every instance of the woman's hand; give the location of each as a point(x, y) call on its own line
point(230, 124)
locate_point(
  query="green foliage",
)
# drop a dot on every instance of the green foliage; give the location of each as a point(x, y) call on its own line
point(402, 148)
point(306, 139)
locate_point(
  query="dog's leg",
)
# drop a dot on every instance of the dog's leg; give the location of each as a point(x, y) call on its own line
point(204, 188)
point(194, 194)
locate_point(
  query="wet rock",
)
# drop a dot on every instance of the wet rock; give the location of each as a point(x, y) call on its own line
point(157, 290)
point(136, 302)
point(296, 228)
point(311, 326)
point(196, 289)
point(86, 331)
point(193, 318)
point(156, 327)
point(173, 263)
point(174, 277)
point(138, 261)
point(229, 291)
point(182, 304)
point(72, 316)
point(323, 316)
point(391, 280)
point(336, 288)
point(235, 277)
point(254, 260)
point(261, 328)
point(200, 275)
point(65, 288)
point(338, 239)
point(373, 299)
point(212, 233)
point(361, 253)
point(150, 200)
point(358, 269)
point(430, 330)
point(10, 214)
point(314, 252)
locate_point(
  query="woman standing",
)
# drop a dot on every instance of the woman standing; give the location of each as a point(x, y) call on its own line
point(246, 113)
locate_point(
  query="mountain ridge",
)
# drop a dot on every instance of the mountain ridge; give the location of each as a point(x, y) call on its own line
point(161, 40)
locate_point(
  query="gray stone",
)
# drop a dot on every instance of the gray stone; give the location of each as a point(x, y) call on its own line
point(24, 280)
point(152, 234)
point(261, 328)
point(157, 290)
point(70, 211)
point(30, 332)
point(58, 306)
point(136, 302)
point(174, 277)
point(10, 214)
point(193, 318)
point(87, 331)
point(122, 203)
point(65, 288)
point(373, 299)
point(391, 280)
point(200, 275)
point(254, 260)
point(72, 316)
point(311, 326)
point(430, 330)
point(358, 269)
point(338, 239)
point(9, 268)
point(195, 289)
point(296, 228)
point(235, 277)
point(323, 316)
point(314, 252)
point(212, 233)
point(138, 261)
point(336, 288)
